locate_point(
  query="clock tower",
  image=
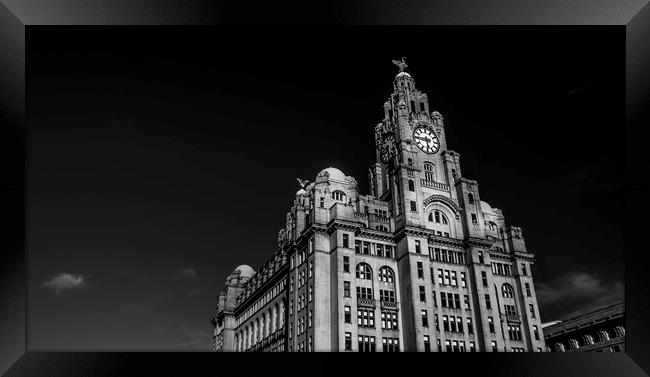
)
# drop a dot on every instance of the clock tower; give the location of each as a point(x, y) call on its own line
point(413, 162)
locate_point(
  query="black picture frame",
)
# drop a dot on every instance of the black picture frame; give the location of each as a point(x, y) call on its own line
point(16, 17)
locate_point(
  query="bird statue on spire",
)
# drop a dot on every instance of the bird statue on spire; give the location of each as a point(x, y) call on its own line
point(303, 183)
point(401, 64)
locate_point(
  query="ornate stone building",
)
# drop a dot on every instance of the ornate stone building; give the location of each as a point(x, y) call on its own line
point(602, 330)
point(421, 263)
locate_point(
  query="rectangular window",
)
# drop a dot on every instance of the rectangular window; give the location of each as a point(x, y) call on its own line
point(510, 309)
point(523, 269)
point(346, 264)
point(414, 208)
point(470, 326)
point(532, 310)
point(439, 345)
point(488, 304)
point(366, 248)
point(390, 344)
point(309, 318)
point(467, 306)
point(491, 324)
point(423, 297)
point(443, 299)
point(435, 318)
point(494, 346)
point(366, 318)
point(434, 299)
point(456, 301)
point(433, 276)
point(311, 293)
point(463, 280)
point(514, 332)
point(484, 278)
point(536, 332)
point(425, 319)
point(347, 314)
point(346, 240)
point(445, 323)
point(474, 219)
point(420, 270)
point(455, 345)
point(452, 324)
point(528, 294)
point(427, 343)
point(447, 345)
point(472, 347)
point(480, 257)
point(346, 289)
point(418, 248)
point(357, 246)
point(454, 281)
point(366, 344)
point(440, 276)
point(348, 341)
point(447, 279)
point(389, 320)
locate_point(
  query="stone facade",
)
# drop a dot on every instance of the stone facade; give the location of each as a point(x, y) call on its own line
point(421, 263)
point(602, 330)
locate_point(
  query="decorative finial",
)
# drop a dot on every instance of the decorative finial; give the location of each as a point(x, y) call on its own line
point(401, 64)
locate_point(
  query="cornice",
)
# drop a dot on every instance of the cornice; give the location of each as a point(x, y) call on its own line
point(375, 234)
point(476, 242)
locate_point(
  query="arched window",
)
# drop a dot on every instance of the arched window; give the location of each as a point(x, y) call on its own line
point(507, 291)
point(429, 171)
point(386, 274)
point(411, 185)
point(438, 217)
point(493, 226)
point(339, 196)
point(364, 271)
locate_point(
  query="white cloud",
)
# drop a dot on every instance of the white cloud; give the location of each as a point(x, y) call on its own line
point(63, 281)
point(188, 273)
point(576, 293)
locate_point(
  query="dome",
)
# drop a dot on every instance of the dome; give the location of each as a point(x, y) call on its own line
point(331, 174)
point(486, 208)
point(402, 74)
point(301, 192)
point(245, 270)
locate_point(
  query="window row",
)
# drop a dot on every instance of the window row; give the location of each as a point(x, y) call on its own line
point(366, 318)
point(450, 345)
point(446, 256)
point(262, 301)
point(364, 271)
point(501, 269)
point(375, 249)
point(260, 328)
point(448, 277)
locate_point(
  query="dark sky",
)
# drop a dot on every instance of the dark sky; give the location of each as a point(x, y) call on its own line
point(158, 160)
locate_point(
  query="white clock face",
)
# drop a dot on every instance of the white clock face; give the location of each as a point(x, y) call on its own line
point(426, 140)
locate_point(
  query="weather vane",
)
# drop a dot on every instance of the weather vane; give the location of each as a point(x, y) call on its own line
point(401, 64)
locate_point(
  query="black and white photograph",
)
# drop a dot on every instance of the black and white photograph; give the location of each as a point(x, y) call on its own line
point(220, 190)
